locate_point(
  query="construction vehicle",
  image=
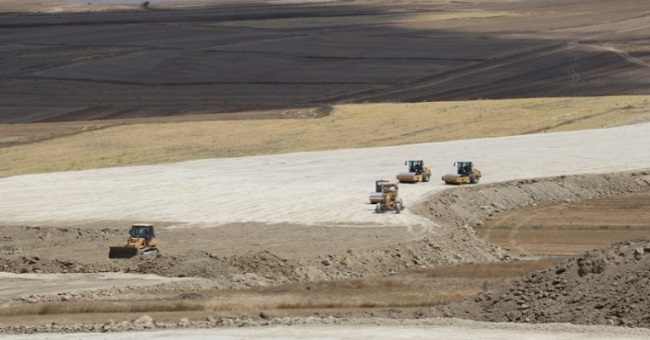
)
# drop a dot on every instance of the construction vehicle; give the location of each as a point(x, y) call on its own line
point(389, 198)
point(466, 173)
point(417, 172)
point(377, 196)
point(141, 242)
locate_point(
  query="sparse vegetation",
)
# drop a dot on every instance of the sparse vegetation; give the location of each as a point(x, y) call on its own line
point(79, 307)
point(412, 288)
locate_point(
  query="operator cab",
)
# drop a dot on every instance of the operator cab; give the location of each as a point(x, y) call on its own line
point(142, 231)
point(415, 166)
point(464, 168)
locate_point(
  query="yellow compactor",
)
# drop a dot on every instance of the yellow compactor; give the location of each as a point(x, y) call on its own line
point(465, 173)
point(417, 172)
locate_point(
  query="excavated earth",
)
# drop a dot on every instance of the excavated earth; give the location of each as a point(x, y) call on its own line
point(74, 66)
point(609, 286)
point(249, 254)
point(578, 291)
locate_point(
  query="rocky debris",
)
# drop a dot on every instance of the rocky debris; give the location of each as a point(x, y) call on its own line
point(610, 286)
point(213, 322)
point(145, 322)
point(423, 253)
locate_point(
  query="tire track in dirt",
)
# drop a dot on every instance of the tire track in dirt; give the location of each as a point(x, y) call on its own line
point(512, 236)
point(403, 90)
point(621, 53)
point(573, 75)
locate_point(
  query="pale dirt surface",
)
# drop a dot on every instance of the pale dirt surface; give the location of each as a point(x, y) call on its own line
point(344, 329)
point(23, 285)
point(317, 188)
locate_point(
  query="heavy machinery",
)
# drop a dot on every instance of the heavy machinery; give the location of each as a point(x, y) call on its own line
point(141, 242)
point(466, 173)
point(417, 172)
point(389, 198)
point(377, 196)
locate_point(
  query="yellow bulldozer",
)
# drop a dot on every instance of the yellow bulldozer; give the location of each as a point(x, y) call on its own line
point(466, 173)
point(389, 198)
point(141, 242)
point(417, 172)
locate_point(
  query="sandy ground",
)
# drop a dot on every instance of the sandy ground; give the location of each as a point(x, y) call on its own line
point(318, 188)
point(14, 285)
point(376, 329)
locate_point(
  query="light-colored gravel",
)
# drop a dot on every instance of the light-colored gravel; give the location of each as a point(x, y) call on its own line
point(361, 329)
point(318, 188)
point(29, 285)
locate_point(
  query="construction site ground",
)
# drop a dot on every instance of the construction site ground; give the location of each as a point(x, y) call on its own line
point(255, 259)
point(552, 244)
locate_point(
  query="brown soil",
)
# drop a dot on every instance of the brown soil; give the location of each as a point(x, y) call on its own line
point(225, 57)
point(609, 286)
point(569, 228)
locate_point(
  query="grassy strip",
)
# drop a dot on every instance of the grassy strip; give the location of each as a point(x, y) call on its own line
point(79, 307)
point(496, 271)
point(348, 126)
point(411, 288)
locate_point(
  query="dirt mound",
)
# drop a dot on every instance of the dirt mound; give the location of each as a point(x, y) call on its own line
point(471, 205)
point(606, 287)
point(264, 268)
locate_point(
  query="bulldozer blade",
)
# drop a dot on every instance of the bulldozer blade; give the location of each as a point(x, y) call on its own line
point(122, 252)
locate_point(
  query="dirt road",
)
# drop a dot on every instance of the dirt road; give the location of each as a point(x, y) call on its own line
point(376, 329)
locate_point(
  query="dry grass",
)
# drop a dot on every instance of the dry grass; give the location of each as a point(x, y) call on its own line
point(84, 307)
point(409, 289)
point(348, 126)
point(497, 271)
